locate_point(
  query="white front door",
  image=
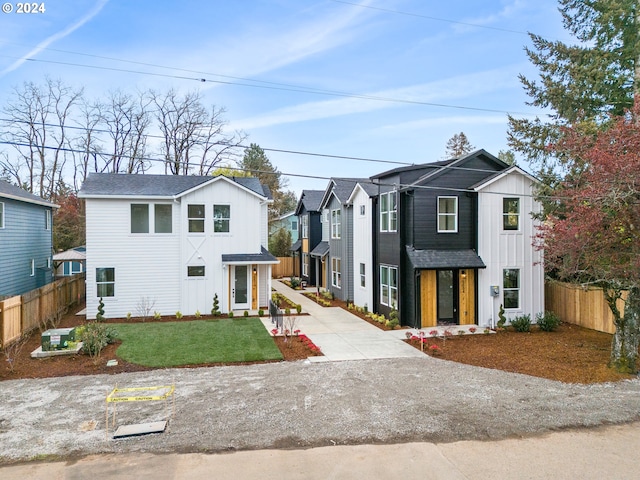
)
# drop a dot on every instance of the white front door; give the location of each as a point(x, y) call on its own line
point(240, 287)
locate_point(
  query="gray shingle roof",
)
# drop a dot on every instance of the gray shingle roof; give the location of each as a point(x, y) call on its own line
point(263, 257)
point(432, 259)
point(7, 190)
point(155, 185)
point(320, 250)
point(310, 199)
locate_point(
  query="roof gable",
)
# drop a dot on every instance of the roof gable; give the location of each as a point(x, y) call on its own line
point(499, 175)
point(309, 200)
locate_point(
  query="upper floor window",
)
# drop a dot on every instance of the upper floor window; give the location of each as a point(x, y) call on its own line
point(1, 215)
point(47, 219)
point(362, 210)
point(163, 218)
point(511, 213)
point(105, 282)
point(294, 225)
point(335, 224)
point(139, 218)
point(221, 218)
point(363, 281)
point(304, 225)
point(388, 212)
point(447, 214)
point(195, 215)
point(511, 287)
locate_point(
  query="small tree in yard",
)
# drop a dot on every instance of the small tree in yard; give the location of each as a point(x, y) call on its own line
point(594, 238)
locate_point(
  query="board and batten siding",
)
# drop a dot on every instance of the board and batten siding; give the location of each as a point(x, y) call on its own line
point(501, 249)
point(206, 249)
point(146, 264)
point(362, 248)
point(24, 238)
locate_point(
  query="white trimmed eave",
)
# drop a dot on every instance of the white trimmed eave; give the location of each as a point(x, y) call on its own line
point(503, 174)
point(129, 197)
point(42, 203)
point(231, 182)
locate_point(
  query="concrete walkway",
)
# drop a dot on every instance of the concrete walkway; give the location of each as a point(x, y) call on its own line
point(342, 335)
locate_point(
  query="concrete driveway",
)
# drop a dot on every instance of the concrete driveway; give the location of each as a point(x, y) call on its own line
point(342, 335)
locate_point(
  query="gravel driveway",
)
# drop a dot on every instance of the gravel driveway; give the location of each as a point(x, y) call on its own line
point(298, 404)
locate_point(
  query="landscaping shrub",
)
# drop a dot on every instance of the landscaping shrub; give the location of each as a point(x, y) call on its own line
point(548, 321)
point(100, 314)
point(246, 313)
point(298, 308)
point(96, 336)
point(295, 283)
point(261, 313)
point(502, 319)
point(215, 311)
point(521, 323)
point(230, 314)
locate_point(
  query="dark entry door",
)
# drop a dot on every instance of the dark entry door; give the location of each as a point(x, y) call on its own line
point(447, 296)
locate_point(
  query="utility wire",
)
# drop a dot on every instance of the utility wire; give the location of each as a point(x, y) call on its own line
point(311, 91)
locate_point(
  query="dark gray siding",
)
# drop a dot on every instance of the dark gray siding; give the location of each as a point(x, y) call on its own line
point(22, 239)
point(388, 246)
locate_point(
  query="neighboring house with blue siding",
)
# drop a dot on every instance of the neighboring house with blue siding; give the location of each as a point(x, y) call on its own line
point(288, 221)
point(26, 225)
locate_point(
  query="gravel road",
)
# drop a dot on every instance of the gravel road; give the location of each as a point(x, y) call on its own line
point(300, 404)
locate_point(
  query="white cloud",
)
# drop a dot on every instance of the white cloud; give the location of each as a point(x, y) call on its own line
point(446, 91)
point(55, 37)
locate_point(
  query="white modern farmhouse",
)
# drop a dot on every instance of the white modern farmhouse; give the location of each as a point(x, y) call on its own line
point(176, 241)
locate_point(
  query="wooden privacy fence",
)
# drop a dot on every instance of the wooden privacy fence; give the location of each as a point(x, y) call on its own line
point(586, 306)
point(284, 268)
point(23, 313)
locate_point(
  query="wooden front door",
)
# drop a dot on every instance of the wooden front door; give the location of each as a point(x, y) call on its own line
point(428, 299)
point(467, 297)
point(447, 296)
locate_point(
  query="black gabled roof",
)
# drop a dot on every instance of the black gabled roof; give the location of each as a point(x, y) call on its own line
point(310, 200)
point(408, 168)
point(98, 184)
point(341, 188)
point(7, 190)
point(434, 259)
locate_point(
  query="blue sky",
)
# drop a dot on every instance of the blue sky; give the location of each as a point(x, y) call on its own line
point(444, 67)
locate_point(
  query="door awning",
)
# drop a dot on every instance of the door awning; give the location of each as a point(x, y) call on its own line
point(444, 259)
point(321, 250)
point(262, 258)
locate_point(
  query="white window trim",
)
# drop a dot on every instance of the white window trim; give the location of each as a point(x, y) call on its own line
point(2, 214)
point(363, 209)
point(389, 268)
point(221, 218)
point(154, 219)
point(455, 215)
point(47, 219)
point(363, 275)
point(518, 289)
point(385, 226)
point(33, 268)
point(71, 271)
point(106, 283)
point(304, 224)
point(336, 274)
point(203, 219)
point(305, 264)
point(518, 215)
point(204, 272)
point(336, 223)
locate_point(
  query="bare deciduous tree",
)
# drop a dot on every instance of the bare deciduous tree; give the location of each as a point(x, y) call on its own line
point(194, 140)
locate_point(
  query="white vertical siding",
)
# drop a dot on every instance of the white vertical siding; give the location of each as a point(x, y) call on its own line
point(362, 249)
point(155, 265)
point(146, 265)
point(500, 249)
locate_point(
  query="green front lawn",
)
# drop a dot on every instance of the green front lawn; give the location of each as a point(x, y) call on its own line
point(172, 344)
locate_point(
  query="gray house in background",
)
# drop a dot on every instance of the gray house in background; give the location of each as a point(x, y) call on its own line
point(26, 238)
point(339, 215)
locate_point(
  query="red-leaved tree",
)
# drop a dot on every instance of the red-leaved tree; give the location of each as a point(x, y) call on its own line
point(594, 237)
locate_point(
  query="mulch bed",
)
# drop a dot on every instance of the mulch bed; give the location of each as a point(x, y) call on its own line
point(81, 364)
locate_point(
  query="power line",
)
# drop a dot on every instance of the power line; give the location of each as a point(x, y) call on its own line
point(307, 90)
point(299, 175)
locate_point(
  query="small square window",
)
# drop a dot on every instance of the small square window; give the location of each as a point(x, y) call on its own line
point(197, 271)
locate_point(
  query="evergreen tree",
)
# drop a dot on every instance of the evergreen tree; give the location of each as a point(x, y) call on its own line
point(583, 84)
point(458, 145)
